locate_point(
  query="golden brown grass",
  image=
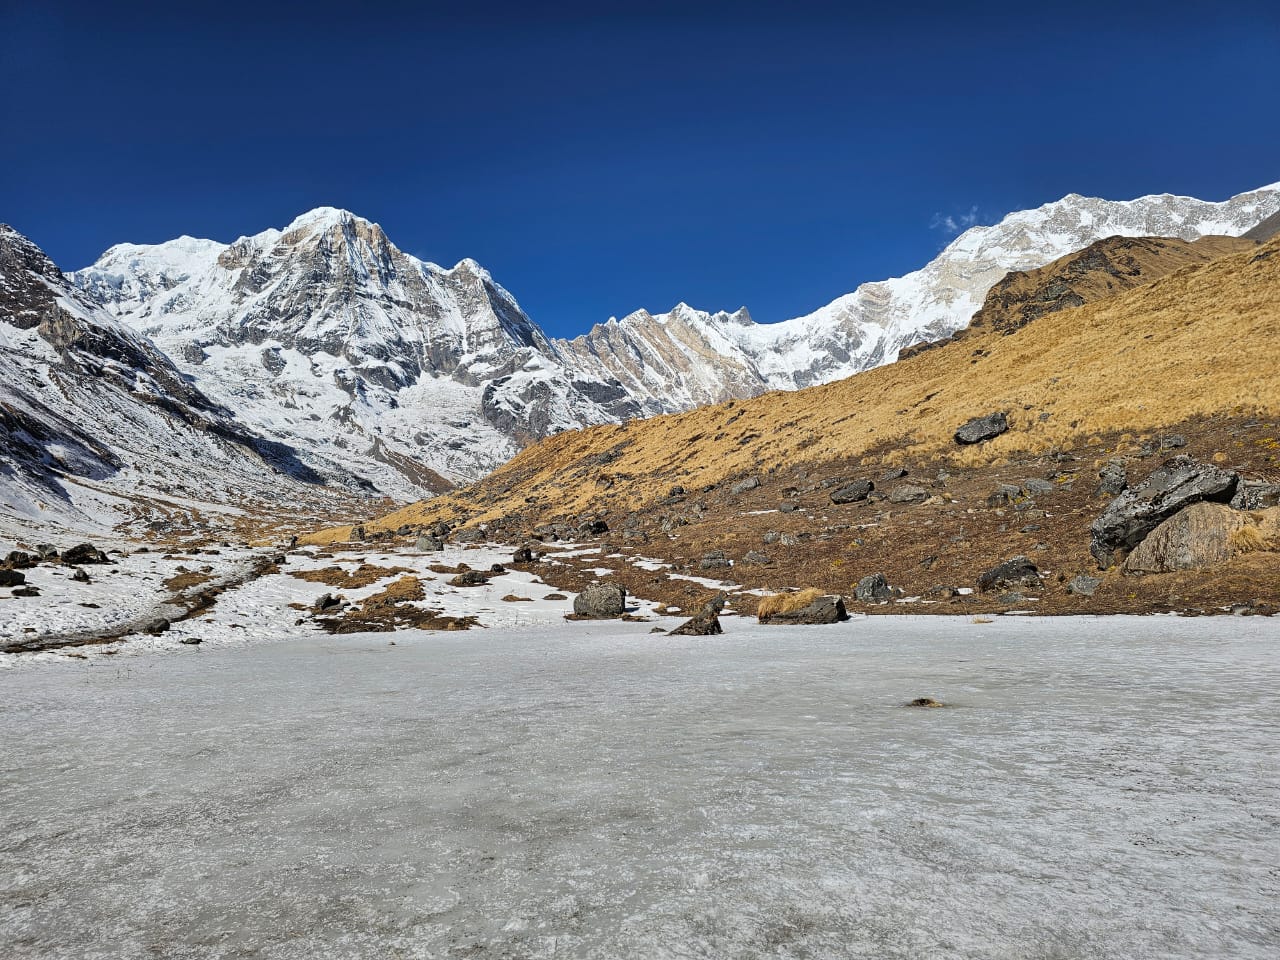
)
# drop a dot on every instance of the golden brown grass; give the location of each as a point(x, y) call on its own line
point(364, 575)
point(1202, 340)
point(786, 602)
point(404, 590)
point(1246, 539)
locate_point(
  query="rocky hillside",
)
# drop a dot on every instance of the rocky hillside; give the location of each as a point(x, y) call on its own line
point(1100, 270)
point(326, 337)
point(868, 474)
point(100, 430)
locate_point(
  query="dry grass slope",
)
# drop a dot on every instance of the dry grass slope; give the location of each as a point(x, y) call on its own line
point(1204, 339)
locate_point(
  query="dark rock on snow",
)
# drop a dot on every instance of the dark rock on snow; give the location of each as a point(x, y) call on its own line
point(12, 578)
point(822, 610)
point(705, 623)
point(83, 553)
point(428, 544)
point(601, 601)
point(470, 578)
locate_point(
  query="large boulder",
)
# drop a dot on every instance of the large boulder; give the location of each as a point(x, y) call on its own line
point(1177, 483)
point(83, 553)
point(601, 601)
point(742, 486)
point(12, 578)
point(1014, 572)
point(428, 544)
point(821, 610)
point(853, 492)
point(980, 429)
point(1200, 536)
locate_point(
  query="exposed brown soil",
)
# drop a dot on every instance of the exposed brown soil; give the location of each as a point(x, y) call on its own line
point(394, 608)
point(364, 575)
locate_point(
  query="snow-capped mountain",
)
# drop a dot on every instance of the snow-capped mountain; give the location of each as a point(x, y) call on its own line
point(326, 337)
point(698, 357)
point(99, 429)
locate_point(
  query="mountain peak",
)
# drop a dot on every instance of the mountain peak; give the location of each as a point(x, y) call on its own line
point(325, 217)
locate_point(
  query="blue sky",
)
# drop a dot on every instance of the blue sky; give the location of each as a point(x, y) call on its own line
point(600, 158)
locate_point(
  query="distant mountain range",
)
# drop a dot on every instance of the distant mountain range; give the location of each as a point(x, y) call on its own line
point(323, 353)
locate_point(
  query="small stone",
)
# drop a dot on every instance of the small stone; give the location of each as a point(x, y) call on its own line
point(873, 589)
point(1084, 586)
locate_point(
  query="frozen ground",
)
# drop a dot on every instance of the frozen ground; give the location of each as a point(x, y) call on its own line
point(1098, 788)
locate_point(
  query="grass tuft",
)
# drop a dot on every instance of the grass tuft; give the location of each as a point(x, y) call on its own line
point(786, 602)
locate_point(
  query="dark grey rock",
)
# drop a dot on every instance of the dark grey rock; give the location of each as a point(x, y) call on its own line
point(27, 591)
point(1177, 483)
point(47, 551)
point(873, 589)
point(822, 610)
point(522, 555)
point(1112, 478)
point(191, 641)
point(468, 535)
point(1256, 495)
point(1006, 494)
point(896, 473)
point(1036, 485)
point(156, 626)
point(80, 576)
point(428, 544)
point(853, 492)
point(470, 578)
point(83, 553)
point(742, 486)
point(1015, 572)
point(757, 558)
point(1084, 585)
point(788, 506)
point(12, 578)
point(771, 536)
point(20, 560)
point(326, 604)
point(601, 601)
point(980, 429)
point(705, 623)
point(716, 560)
point(594, 528)
point(905, 493)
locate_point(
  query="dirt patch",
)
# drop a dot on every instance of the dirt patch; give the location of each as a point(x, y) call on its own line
point(364, 575)
point(394, 608)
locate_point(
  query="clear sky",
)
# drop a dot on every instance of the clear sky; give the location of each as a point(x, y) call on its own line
point(599, 158)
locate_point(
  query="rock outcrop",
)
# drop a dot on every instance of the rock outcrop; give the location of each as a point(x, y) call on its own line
point(1178, 483)
point(1200, 536)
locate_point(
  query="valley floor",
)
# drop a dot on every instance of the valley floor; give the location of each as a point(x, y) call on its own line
point(1095, 787)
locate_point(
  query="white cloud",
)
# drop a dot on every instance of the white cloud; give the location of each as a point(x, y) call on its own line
point(954, 223)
